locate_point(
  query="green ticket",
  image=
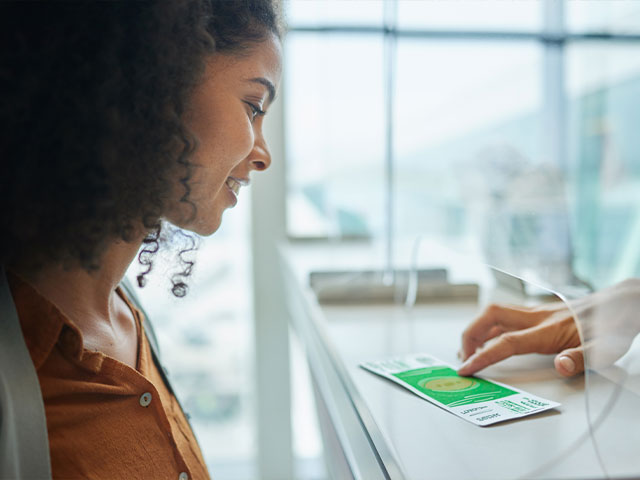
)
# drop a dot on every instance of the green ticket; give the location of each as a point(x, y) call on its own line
point(477, 400)
point(445, 386)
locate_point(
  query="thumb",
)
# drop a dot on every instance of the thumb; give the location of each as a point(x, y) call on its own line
point(570, 361)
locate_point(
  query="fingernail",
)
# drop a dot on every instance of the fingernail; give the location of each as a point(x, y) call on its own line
point(567, 363)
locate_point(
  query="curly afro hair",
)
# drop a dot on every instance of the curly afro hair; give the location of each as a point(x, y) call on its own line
point(92, 101)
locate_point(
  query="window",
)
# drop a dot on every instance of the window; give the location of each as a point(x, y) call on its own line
point(335, 135)
point(503, 127)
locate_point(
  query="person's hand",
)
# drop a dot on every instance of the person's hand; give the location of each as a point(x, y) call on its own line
point(502, 331)
point(609, 319)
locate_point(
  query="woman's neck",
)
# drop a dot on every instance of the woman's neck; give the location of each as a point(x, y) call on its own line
point(86, 297)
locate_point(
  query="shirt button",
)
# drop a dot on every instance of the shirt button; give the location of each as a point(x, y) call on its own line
point(183, 476)
point(145, 399)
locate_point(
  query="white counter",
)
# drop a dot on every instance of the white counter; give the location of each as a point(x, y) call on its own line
point(373, 428)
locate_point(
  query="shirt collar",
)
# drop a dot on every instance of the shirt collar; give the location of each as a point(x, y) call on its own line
point(43, 324)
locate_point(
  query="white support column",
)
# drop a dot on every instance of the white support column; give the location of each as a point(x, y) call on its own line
point(271, 328)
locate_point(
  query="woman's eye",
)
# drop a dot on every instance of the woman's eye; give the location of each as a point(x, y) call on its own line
point(255, 111)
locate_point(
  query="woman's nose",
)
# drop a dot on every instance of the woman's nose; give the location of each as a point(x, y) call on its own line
point(260, 157)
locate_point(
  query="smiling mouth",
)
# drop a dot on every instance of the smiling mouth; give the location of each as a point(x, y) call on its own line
point(234, 184)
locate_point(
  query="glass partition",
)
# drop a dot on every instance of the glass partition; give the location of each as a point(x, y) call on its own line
point(610, 324)
point(521, 219)
point(603, 172)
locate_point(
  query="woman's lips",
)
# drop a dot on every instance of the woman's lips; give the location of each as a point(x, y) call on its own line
point(234, 184)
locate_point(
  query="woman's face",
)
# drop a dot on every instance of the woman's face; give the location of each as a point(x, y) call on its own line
point(226, 115)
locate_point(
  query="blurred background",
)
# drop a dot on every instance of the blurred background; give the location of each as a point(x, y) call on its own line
point(504, 128)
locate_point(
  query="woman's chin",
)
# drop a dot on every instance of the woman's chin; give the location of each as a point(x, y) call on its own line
point(201, 226)
point(206, 228)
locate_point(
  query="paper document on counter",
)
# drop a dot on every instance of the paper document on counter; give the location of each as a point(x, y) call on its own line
point(477, 400)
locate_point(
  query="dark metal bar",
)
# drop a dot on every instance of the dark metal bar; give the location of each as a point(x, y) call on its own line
point(467, 34)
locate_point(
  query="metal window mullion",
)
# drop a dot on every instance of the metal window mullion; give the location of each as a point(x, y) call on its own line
point(554, 116)
point(389, 73)
point(542, 36)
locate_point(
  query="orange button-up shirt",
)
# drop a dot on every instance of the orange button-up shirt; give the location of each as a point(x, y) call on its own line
point(105, 419)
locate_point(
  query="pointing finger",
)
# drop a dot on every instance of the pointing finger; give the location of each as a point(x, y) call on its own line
point(495, 320)
point(504, 346)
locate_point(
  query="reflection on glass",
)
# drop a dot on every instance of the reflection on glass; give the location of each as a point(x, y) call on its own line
point(603, 85)
point(469, 154)
point(335, 140)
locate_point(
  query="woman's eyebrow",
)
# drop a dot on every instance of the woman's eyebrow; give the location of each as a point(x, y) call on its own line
point(270, 87)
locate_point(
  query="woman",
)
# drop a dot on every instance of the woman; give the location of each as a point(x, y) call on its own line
point(118, 119)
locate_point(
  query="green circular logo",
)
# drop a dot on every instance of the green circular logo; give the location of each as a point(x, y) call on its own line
point(448, 384)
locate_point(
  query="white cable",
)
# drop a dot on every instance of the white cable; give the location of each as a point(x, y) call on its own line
point(412, 283)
